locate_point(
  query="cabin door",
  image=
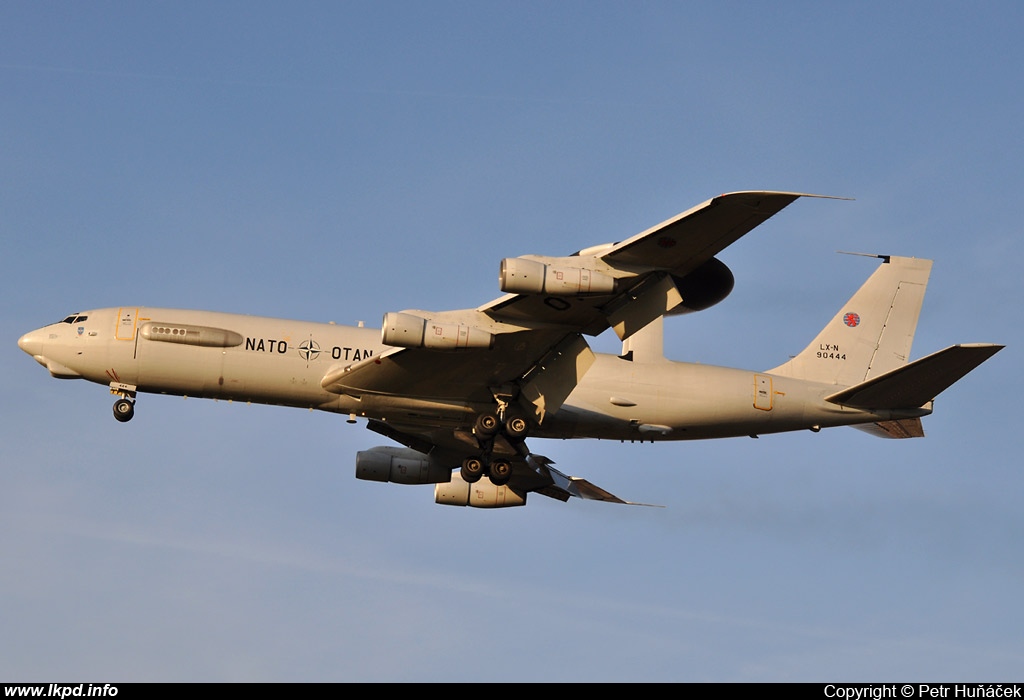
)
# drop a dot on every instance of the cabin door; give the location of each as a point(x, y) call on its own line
point(763, 392)
point(126, 322)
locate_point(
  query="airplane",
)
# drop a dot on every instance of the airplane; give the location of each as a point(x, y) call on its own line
point(461, 391)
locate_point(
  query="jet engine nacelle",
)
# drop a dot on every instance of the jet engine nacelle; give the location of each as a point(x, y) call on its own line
point(482, 494)
point(400, 465)
point(524, 276)
point(411, 331)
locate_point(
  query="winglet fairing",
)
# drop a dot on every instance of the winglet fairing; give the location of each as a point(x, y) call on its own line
point(462, 390)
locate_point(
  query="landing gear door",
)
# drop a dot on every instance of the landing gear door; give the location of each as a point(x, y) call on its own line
point(126, 322)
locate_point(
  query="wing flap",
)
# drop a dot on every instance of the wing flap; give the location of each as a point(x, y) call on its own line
point(915, 384)
point(561, 486)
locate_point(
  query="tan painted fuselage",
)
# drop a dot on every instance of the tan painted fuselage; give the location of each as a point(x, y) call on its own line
point(282, 362)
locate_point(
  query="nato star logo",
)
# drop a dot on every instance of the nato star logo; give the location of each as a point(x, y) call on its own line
point(309, 350)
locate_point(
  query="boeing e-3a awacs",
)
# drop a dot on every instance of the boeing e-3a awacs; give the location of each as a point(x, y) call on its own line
point(462, 390)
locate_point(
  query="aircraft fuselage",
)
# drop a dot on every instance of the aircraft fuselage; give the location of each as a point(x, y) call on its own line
point(282, 362)
point(462, 390)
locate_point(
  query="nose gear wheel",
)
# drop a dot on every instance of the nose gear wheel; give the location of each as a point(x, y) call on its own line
point(124, 410)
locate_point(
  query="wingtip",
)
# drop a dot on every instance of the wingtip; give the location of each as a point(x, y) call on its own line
point(782, 193)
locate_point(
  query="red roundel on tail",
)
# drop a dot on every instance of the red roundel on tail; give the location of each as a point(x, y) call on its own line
point(851, 319)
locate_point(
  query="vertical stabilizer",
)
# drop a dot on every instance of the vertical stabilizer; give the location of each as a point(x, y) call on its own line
point(873, 331)
point(647, 344)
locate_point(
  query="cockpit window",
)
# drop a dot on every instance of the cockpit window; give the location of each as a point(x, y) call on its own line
point(75, 318)
point(69, 319)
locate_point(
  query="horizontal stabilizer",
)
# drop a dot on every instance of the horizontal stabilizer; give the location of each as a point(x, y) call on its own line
point(915, 384)
point(898, 429)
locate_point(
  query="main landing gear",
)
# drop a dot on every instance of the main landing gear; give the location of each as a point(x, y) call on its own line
point(486, 428)
point(124, 407)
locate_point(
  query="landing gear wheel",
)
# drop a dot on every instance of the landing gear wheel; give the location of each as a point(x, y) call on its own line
point(486, 425)
point(501, 472)
point(516, 427)
point(472, 469)
point(124, 410)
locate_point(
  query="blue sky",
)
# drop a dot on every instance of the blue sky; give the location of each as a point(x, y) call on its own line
point(335, 161)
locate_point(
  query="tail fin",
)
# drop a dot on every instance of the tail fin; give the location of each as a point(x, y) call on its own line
point(872, 333)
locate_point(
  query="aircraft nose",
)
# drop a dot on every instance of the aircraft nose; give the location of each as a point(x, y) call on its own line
point(32, 343)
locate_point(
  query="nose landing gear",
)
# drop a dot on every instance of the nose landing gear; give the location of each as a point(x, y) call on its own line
point(124, 407)
point(124, 410)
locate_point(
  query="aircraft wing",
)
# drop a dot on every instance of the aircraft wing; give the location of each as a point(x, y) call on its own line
point(530, 472)
point(547, 362)
point(532, 341)
point(689, 239)
point(663, 255)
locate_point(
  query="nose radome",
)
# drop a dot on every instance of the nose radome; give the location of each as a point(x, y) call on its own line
point(32, 343)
